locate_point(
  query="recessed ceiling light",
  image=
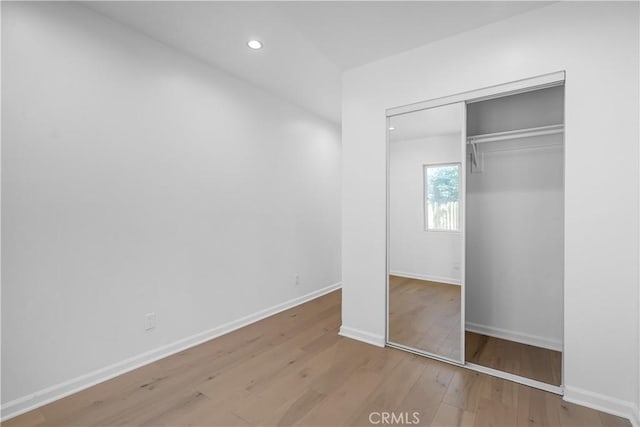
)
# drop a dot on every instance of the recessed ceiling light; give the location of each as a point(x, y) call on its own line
point(254, 44)
point(392, 128)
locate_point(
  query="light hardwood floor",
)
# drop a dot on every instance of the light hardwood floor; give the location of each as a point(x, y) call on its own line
point(293, 369)
point(521, 359)
point(425, 315)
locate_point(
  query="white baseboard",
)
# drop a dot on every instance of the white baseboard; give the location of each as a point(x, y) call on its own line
point(428, 277)
point(42, 397)
point(356, 334)
point(520, 337)
point(600, 402)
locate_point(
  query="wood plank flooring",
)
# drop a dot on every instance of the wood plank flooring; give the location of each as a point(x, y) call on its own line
point(521, 359)
point(294, 369)
point(425, 315)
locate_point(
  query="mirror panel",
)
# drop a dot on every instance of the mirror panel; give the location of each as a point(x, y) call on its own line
point(425, 231)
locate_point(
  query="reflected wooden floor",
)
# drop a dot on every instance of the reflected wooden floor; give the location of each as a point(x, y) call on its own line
point(425, 315)
point(537, 363)
point(294, 369)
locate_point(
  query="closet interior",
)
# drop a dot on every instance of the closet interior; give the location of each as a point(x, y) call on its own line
point(515, 234)
point(476, 233)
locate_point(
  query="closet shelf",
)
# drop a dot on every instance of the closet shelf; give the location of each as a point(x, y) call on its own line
point(514, 134)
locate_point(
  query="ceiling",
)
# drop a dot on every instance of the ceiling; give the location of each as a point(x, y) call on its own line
point(444, 120)
point(307, 44)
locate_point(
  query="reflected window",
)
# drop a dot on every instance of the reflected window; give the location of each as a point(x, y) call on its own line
point(442, 197)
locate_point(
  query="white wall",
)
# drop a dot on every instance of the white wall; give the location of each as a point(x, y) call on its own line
point(601, 263)
point(514, 241)
point(413, 251)
point(136, 179)
point(542, 107)
point(515, 227)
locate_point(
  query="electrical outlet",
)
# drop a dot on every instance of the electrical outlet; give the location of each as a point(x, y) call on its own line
point(149, 321)
point(297, 280)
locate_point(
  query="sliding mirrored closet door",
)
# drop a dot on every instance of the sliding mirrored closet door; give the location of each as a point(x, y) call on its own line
point(475, 229)
point(426, 231)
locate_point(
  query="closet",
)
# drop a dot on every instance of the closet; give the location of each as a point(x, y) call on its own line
point(476, 230)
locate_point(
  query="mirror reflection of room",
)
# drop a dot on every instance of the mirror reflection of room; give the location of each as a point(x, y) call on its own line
point(515, 234)
point(425, 230)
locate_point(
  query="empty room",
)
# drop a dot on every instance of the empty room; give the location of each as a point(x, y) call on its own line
point(320, 213)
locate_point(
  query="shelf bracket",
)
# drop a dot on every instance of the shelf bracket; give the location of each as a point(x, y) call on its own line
point(474, 153)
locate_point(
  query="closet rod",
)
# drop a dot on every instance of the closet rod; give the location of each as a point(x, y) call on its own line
point(514, 134)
